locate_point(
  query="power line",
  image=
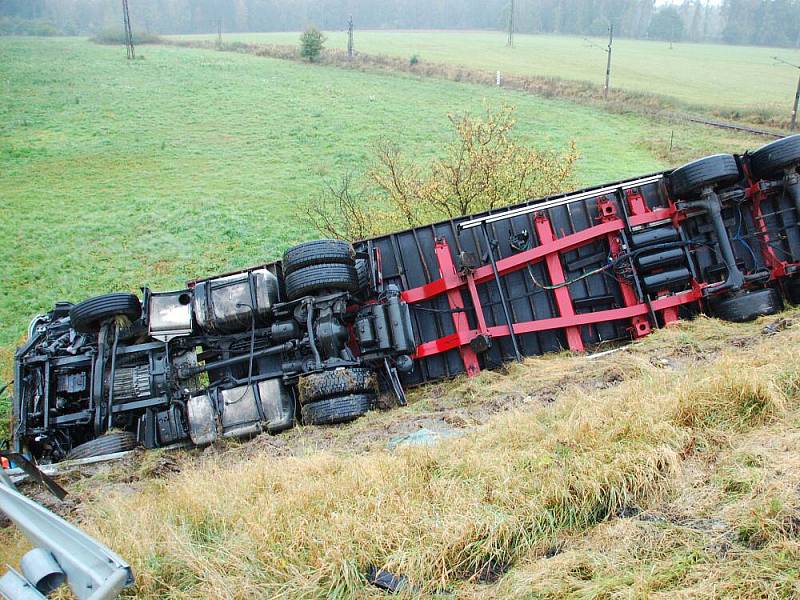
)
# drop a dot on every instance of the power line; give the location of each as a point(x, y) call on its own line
point(511, 26)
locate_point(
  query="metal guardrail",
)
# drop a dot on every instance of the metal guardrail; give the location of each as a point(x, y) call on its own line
point(62, 553)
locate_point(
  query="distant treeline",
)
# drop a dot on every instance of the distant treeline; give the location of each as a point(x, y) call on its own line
point(757, 22)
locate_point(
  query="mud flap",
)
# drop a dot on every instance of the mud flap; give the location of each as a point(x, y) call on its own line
point(394, 380)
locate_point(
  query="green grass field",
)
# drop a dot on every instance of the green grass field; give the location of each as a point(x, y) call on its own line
point(189, 162)
point(704, 75)
point(667, 469)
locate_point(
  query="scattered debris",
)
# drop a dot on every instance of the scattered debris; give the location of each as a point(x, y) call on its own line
point(385, 580)
point(17, 474)
point(161, 466)
point(741, 342)
point(626, 512)
point(455, 419)
point(492, 571)
point(776, 326)
point(31, 470)
point(606, 352)
point(554, 550)
point(421, 437)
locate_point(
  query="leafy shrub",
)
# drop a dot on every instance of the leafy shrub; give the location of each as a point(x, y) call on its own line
point(117, 36)
point(19, 26)
point(312, 42)
point(482, 168)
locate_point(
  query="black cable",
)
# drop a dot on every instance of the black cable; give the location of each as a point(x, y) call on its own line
point(776, 232)
point(616, 261)
point(438, 310)
point(786, 254)
point(571, 281)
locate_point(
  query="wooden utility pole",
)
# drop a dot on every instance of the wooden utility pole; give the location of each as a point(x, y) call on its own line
point(793, 124)
point(794, 109)
point(350, 37)
point(219, 33)
point(126, 18)
point(511, 26)
point(608, 64)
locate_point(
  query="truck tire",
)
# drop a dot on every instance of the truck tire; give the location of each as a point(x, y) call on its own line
point(318, 252)
point(87, 316)
point(770, 160)
point(339, 382)
point(711, 170)
point(743, 306)
point(331, 411)
point(109, 443)
point(791, 288)
point(362, 269)
point(304, 282)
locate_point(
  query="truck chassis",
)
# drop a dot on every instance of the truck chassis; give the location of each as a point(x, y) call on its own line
point(318, 335)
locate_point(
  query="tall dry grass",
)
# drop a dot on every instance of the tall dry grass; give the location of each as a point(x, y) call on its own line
point(730, 530)
point(310, 527)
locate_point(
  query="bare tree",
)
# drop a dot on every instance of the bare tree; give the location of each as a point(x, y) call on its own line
point(482, 168)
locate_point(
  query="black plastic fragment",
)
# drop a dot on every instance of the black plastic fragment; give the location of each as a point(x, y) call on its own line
point(385, 580)
point(492, 571)
point(554, 550)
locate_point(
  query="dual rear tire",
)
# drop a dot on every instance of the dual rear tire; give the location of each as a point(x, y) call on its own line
point(337, 396)
point(321, 266)
point(722, 170)
point(769, 161)
point(717, 170)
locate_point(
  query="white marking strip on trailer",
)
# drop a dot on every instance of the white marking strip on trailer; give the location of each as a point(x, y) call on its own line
point(524, 210)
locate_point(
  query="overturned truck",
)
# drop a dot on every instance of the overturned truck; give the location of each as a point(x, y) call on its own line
point(317, 336)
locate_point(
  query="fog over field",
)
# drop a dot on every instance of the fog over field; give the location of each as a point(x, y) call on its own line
point(762, 22)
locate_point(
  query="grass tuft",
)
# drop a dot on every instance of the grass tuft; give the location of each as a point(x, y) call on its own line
point(734, 394)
